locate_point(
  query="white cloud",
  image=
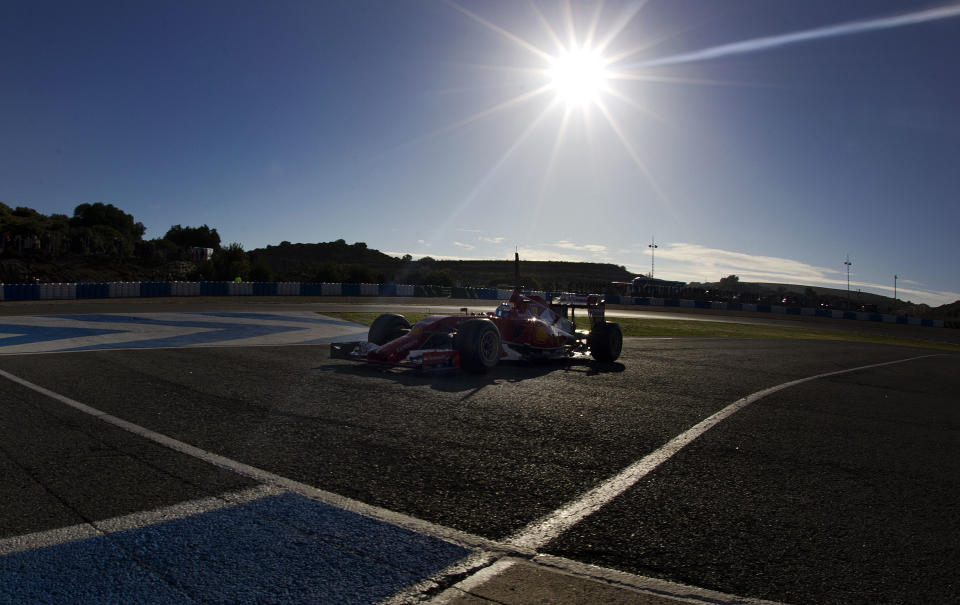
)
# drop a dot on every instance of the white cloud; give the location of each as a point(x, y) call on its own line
point(567, 245)
point(693, 262)
point(464, 246)
point(711, 264)
point(490, 240)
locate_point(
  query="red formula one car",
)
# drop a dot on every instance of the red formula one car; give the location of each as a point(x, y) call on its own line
point(525, 327)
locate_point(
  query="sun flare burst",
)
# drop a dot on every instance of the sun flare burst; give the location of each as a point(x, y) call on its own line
point(595, 66)
point(578, 76)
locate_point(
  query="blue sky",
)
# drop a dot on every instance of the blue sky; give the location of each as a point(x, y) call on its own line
point(767, 139)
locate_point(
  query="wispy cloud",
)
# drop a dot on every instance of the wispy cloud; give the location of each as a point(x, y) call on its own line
point(490, 240)
point(709, 264)
point(565, 250)
point(829, 31)
point(566, 245)
point(693, 262)
point(696, 263)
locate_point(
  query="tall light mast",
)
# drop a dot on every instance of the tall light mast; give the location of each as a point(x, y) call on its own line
point(653, 249)
point(848, 263)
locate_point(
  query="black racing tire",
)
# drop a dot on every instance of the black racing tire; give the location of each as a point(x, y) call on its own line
point(605, 341)
point(478, 343)
point(387, 327)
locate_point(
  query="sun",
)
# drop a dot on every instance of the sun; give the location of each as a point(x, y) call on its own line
point(578, 76)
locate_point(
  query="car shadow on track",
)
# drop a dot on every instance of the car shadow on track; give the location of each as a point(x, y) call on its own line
point(456, 381)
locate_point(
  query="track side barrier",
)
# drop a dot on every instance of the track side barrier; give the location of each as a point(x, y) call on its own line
point(239, 289)
point(288, 289)
point(69, 291)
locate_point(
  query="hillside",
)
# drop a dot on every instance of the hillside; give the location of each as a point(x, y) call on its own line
point(338, 261)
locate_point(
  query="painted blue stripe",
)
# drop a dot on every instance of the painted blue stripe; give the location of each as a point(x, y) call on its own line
point(88, 571)
point(278, 317)
point(31, 334)
point(219, 332)
point(280, 549)
point(359, 335)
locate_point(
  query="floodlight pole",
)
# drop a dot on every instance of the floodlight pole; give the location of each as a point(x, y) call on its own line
point(653, 248)
point(895, 287)
point(848, 263)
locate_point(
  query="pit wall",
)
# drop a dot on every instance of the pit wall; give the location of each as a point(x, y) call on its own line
point(164, 289)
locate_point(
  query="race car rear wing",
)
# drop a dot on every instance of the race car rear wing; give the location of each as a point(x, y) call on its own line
point(595, 304)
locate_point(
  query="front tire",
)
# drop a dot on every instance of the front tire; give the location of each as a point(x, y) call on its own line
point(387, 327)
point(605, 341)
point(478, 343)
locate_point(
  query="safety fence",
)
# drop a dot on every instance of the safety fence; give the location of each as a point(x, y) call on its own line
point(210, 288)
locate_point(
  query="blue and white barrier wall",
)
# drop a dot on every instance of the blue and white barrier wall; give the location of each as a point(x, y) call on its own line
point(207, 288)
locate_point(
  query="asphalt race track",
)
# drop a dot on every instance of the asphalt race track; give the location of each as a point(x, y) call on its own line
point(216, 442)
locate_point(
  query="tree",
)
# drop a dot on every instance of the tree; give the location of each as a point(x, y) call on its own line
point(329, 273)
point(194, 237)
point(730, 282)
point(261, 271)
point(439, 277)
point(230, 263)
point(107, 215)
point(358, 274)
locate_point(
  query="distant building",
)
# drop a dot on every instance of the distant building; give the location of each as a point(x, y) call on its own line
point(198, 255)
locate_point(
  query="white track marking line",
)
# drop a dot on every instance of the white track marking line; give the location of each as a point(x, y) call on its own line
point(181, 510)
point(623, 581)
point(540, 532)
point(473, 565)
point(523, 543)
point(664, 588)
point(463, 588)
point(355, 506)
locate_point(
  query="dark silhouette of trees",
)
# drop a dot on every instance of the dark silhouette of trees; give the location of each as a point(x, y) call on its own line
point(230, 263)
point(190, 237)
point(107, 215)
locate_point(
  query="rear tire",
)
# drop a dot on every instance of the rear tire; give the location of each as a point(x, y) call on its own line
point(605, 341)
point(387, 327)
point(478, 343)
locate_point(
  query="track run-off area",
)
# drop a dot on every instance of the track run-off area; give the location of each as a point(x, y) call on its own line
point(209, 451)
